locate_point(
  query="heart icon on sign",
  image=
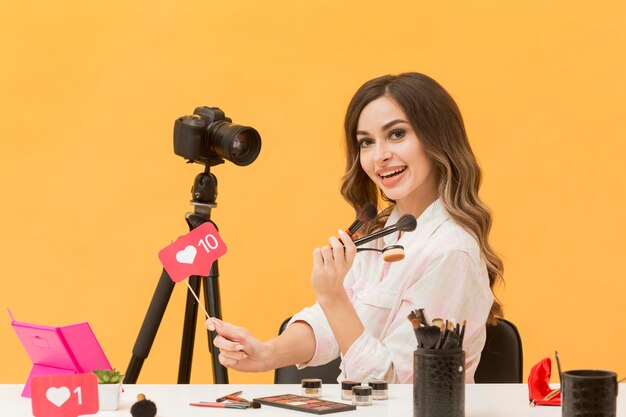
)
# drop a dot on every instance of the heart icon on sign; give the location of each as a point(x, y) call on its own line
point(58, 396)
point(187, 255)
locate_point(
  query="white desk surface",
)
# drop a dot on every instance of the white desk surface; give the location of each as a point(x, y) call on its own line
point(481, 400)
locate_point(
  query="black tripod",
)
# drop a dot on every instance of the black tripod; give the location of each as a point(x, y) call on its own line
point(204, 194)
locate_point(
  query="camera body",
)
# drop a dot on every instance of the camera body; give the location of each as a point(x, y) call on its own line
point(208, 137)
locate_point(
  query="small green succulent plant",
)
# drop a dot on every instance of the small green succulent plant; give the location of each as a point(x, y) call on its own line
point(106, 376)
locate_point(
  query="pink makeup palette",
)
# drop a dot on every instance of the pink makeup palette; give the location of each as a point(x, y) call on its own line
point(305, 404)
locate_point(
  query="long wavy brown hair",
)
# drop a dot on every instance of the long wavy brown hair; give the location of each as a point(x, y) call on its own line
point(437, 121)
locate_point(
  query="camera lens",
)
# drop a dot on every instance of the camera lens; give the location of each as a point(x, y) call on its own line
point(239, 144)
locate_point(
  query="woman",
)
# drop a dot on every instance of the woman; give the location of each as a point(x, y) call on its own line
point(407, 146)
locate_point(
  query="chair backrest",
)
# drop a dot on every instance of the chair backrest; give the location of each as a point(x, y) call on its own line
point(501, 360)
point(328, 373)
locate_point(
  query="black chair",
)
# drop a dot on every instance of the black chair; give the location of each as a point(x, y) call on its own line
point(501, 360)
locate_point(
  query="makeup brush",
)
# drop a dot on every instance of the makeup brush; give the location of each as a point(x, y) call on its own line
point(392, 253)
point(229, 396)
point(551, 395)
point(416, 325)
point(406, 223)
point(428, 336)
point(558, 364)
point(452, 341)
point(241, 406)
point(421, 316)
point(439, 323)
point(143, 407)
point(443, 336)
point(365, 214)
point(462, 334)
point(236, 399)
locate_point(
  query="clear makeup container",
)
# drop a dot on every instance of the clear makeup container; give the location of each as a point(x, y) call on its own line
point(312, 387)
point(362, 395)
point(346, 389)
point(380, 390)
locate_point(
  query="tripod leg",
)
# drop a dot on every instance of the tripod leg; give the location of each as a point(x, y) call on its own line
point(189, 332)
point(149, 328)
point(212, 300)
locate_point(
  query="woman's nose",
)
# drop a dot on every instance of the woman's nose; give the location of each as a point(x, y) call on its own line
point(381, 152)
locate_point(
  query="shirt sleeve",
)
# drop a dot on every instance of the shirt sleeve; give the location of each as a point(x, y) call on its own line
point(452, 287)
point(326, 346)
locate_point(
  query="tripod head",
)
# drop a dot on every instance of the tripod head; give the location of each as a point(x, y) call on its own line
point(204, 192)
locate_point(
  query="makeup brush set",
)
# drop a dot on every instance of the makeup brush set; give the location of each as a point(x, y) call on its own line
point(438, 334)
point(392, 253)
point(229, 401)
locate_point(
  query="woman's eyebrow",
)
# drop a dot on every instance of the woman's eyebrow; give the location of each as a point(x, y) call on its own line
point(394, 122)
point(385, 127)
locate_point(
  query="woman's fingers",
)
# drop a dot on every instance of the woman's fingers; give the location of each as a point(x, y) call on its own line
point(227, 362)
point(229, 337)
point(232, 354)
point(337, 248)
point(318, 260)
point(327, 254)
point(228, 345)
point(348, 245)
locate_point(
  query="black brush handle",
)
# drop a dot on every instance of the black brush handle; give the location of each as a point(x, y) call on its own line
point(384, 232)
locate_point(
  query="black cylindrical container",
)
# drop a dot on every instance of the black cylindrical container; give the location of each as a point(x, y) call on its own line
point(589, 393)
point(439, 383)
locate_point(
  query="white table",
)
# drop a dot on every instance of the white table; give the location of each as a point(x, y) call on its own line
point(481, 400)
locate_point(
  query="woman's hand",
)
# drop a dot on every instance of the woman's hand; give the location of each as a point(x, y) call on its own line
point(239, 350)
point(330, 266)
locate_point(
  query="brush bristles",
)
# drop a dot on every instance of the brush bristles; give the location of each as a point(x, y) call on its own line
point(406, 223)
point(440, 334)
point(367, 213)
point(143, 408)
point(439, 323)
point(421, 316)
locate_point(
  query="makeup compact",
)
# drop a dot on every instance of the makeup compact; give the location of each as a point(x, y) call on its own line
point(312, 387)
point(346, 389)
point(380, 390)
point(362, 395)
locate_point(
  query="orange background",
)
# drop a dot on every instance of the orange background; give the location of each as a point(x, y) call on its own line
point(91, 188)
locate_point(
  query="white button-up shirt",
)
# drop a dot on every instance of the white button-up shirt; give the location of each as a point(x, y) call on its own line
point(442, 272)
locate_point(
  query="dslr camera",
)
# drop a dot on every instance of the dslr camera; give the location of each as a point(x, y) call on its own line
point(208, 137)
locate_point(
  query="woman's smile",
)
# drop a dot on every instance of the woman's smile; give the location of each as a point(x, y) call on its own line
point(391, 176)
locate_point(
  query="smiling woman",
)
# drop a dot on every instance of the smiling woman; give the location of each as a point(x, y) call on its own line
point(394, 158)
point(406, 149)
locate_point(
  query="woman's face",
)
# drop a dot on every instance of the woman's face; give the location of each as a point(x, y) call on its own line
point(393, 156)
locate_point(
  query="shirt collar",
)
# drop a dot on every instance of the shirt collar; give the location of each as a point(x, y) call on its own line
point(427, 222)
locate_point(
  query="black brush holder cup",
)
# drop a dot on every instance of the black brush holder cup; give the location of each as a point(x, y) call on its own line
point(438, 383)
point(589, 393)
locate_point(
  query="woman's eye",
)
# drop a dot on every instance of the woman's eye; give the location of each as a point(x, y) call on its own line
point(364, 143)
point(397, 134)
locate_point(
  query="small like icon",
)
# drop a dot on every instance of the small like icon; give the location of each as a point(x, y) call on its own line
point(64, 395)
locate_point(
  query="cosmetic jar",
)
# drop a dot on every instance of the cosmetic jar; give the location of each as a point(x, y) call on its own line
point(380, 390)
point(312, 387)
point(346, 389)
point(362, 395)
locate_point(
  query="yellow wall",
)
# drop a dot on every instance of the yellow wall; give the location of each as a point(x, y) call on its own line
point(91, 189)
